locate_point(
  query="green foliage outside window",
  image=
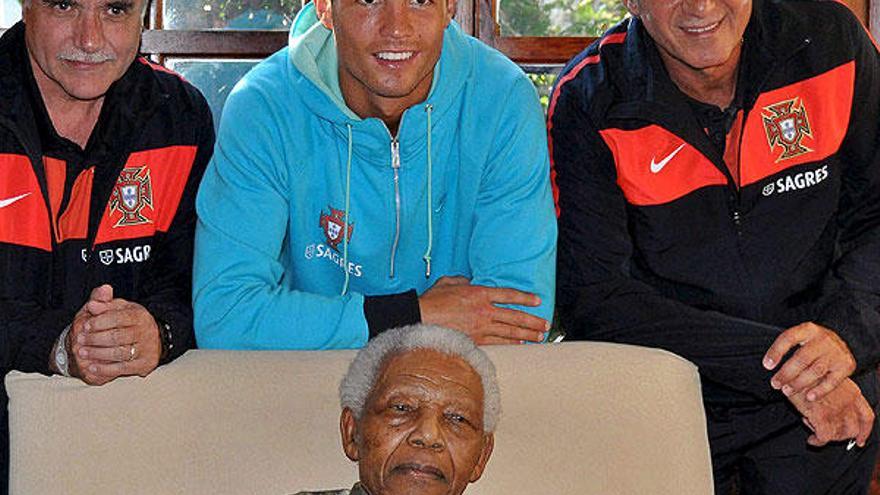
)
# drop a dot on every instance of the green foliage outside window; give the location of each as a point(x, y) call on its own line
point(543, 82)
point(559, 17)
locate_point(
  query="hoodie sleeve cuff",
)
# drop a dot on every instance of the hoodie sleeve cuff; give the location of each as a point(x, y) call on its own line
point(391, 311)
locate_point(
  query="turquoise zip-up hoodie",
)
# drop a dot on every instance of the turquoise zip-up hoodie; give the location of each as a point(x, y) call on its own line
point(275, 268)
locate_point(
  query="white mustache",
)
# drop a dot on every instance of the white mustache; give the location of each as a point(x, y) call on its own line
point(79, 56)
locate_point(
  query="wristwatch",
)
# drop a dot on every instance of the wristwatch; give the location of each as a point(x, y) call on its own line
point(62, 362)
point(166, 338)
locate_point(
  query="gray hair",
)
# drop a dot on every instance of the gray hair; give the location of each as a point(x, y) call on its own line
point(27, 3)
point(364, 370)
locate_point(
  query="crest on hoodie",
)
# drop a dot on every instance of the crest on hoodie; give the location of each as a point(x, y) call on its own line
point(786, 124)
point(334, 227)
point(133, 191)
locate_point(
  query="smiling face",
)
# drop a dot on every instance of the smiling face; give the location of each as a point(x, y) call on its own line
point(695, 35)
point(422, 427)
point(387, 50)
point(78, 48)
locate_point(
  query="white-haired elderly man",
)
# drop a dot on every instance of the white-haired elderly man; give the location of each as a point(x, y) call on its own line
point(419, 408)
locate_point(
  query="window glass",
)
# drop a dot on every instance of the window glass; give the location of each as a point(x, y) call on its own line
point(543, 77)
point(229, 14)
point(215, 78)
point(558, 17)
point(10, 12)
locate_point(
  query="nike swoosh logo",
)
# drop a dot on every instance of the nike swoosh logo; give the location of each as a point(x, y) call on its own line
point(6, 202)
point(658, 166)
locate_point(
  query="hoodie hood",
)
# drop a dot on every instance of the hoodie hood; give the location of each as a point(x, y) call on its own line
point(313, 53)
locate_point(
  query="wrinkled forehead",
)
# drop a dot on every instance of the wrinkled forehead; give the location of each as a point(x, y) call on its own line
point(142, 4)
point(441, 374)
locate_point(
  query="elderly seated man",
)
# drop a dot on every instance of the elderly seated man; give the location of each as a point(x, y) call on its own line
point(419, 405)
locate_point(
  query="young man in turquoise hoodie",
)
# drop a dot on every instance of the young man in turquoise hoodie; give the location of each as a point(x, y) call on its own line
point(381, 170)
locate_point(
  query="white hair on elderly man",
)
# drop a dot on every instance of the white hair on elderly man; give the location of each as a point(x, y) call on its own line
point(364, 370)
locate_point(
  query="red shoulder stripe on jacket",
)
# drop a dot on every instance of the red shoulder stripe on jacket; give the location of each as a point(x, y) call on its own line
point(593, 59)
point(24, 220)
point(74, 222)
point(160, 68)
point(56, 174)
point(147, 194)
point(796, 124)
point(654, 166)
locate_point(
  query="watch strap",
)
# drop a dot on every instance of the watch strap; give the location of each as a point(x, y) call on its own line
point(166, 337)
point(62, 356)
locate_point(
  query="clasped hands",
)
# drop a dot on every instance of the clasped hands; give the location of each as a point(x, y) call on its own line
point(112, 337)
point(816, 381)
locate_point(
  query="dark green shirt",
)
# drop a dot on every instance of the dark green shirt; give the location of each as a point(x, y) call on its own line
point(357, 489)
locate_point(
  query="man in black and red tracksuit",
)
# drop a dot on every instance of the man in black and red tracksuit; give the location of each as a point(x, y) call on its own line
point(100, 157)
point(718, 173)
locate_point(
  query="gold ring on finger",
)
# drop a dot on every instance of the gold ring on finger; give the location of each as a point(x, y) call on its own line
point(132, 352)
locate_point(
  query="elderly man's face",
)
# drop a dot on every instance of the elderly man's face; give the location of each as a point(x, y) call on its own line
point(387, 48)
point(695, 35)
point(422, 428)
point(78, 48)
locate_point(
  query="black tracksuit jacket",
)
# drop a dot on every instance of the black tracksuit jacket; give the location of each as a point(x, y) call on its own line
point(666, 241)
point(123, 215)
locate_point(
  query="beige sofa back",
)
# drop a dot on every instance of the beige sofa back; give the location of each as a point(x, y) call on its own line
point(578, 418)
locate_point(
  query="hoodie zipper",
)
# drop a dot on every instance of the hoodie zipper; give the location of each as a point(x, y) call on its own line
point(395, 166)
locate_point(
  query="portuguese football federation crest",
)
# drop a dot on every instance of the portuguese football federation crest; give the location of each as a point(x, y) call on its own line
point(786, 125)
point(133, 191)
point(334, 227)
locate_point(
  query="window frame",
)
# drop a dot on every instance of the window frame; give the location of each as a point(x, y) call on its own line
point(874, 18)
point(477, 17)
point(205, 43)
point(525, 49)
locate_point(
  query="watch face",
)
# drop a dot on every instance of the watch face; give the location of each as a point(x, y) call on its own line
point(61, 357)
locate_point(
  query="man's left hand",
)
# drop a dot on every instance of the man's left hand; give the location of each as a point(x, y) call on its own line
point(120, 339)
point(821, 363)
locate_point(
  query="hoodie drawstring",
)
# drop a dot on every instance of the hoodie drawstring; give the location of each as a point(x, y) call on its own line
point(430, 208)
point(427, 257)
point(347, 205)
